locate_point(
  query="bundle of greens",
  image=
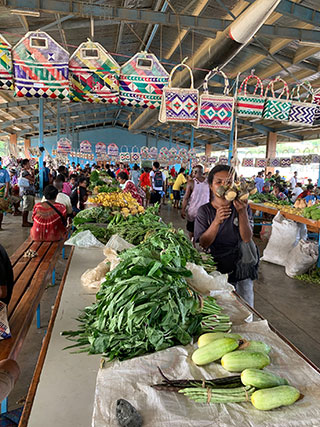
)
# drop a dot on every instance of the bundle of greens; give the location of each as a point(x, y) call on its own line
point(144, 305)
point(99, 231)
point(96, 214)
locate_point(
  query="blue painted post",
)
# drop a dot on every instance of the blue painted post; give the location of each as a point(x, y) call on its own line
point(53, 276)
point(4, 406)
point(38, 317)
point(191, 147)
point(318, 183)
point(41, 145)
point(63, 252)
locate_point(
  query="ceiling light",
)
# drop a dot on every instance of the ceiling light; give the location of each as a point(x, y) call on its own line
point(25, 12)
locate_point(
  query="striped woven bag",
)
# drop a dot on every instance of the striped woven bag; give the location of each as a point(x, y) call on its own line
point(302, 113)
point(248, 105)
point(277, 108)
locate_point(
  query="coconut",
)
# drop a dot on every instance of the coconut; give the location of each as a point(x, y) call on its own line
point(231, 194)
point(244, 197)
point(221, 191)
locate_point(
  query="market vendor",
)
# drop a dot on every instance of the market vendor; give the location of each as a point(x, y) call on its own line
point(128, 186)
point(278, 192)
point(225, 228)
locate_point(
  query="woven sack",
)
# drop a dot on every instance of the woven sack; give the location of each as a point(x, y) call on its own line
point(248, 105)
point(302, 113)
point(276, 108)
point(215, 111)
point(179, 104)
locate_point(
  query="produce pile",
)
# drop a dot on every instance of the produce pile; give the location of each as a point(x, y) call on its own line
point(313, 276)
point(265, 389)
point(312, 212)
point(101, 182)
point(268, 199)
point(240, 190)
point(145, 303)
point(118, 199)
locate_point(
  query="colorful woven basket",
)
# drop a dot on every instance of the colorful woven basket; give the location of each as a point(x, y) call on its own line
point(248, 105)
point(215, 111)
point(276, 108)
point(40, 67)
point(179, 104)
point(285, 162)
point(302, 113)
point(274, 162)
point(261, 163)
point(94, 75)
point(6, 71)
point(247, 162)
point(223, 160)
point(316, 100)
point(142, 80)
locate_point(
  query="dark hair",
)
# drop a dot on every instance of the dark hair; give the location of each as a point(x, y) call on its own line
point(260, 173)
point(50, 192)
point(73, 175)
point(278, 186)
point(310, 187)
point(44, 163)
point(182, 170)
point(123, 175)
point(156, 165)
point(62, 169)
point(61, 177)
point(299, 184)
point(272, 181)
point(25, 162)
point(135, 167)
point(216, 169)
point(82, 179)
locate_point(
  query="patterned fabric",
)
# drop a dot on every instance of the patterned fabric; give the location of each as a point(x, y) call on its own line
point(6, 73)
point(125, 157)
point(47, 223)
point(302, 113)
point(142, 80)
point(274, 162)
point(94, 75)
point(247, 162)
point(316, 100)
point(132, 189)
point(213, 160)
point(297, 160)
point(153, 153)
point(277, 108)
point(144, 153)
point(223, 160)
point(285, 162)
point(248, 105)
point(261, 163)
point(315, 158)
point(40, 71)
point(215, 111)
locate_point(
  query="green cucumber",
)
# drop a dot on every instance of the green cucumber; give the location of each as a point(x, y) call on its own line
point(205, 339)
point(256, 346)
point(261, 379)
point(214, 350)
point(271, 398)
point(239, 360)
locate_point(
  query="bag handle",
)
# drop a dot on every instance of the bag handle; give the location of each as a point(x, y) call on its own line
point(244, 85)
point(271, 87)
point(296, 89)
point(182, 64)
point(211, 74)
point(134, 148)
point(125, 147)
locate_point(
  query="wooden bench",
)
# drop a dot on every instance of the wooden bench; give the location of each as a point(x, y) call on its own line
point(31, 277)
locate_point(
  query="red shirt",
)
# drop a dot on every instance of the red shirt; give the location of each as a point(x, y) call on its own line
point(47, 223)
point(131, 188)
point(122, 170)
point(145, 180)
point(304, 194)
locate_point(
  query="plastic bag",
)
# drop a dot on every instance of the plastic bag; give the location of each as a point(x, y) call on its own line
point(4, 324)
point(84, 239)
point(93, 278)
point(118, 243)
point(283, 238)
point(203, 282)
point(301, 258)
point(111, 257)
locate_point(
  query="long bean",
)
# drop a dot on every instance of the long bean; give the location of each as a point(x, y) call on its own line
point(211, 395)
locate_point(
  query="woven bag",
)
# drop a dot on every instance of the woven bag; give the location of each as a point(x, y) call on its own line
point(302, 113)
point(316, 100)
point(124, 155)
point(247, 162)
point(277, 108)
point(179, 104)
point(215, 111)
point(6, 71)
point(135, 155)
point(261, 163)
point(248, 105)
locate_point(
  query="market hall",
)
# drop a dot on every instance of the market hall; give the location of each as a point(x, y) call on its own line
point(159, 213)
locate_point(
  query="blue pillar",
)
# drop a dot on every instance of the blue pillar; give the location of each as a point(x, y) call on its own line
point(41, 145)
point(170, 141)
point(191, 147)
point(318, 184)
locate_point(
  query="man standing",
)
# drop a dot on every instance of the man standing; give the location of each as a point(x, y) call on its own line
point(4, 187)
point(259, 181)
point(197, 194)
point(46, 175)
point(158, 180)
point(181, 179)
point(294, 180)
point(28, 191)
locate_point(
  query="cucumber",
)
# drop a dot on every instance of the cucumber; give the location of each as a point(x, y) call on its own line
point(271, 398)
point(256, 346)
point(214, 350)
point(239, 360)
point(261, 379)
point(205, 339)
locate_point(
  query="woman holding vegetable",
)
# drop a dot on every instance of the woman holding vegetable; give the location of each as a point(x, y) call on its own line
point(225, 228)
point(128, 186)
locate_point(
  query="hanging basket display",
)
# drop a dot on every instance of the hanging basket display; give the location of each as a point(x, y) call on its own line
point(179, 104)
point(247, 105)
point(223, 160)
point(277, 108)
point(247, 162)
point(6, 71)
point(124, 154)
point(261, 163)
point(274, 162)
point(215, 111)
point(302, 113)
point(135, 155)
point(144, 151)
point(153, 153)
point(285, 162)
point(173, 154)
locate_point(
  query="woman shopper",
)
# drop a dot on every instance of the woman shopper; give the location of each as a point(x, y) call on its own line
point(128, 186)
point(49, 218)
point(225, 229)
point(180, 180)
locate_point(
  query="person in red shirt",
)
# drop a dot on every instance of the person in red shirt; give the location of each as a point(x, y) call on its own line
point(173, 172)
point(122, 169)
point(49, 218)
point(128, 186)
point(306, 192)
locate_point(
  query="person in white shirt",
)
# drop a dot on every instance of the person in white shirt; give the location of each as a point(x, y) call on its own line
point(296, 192)
point(62, 198)
point(158, 183)
point(294, 180)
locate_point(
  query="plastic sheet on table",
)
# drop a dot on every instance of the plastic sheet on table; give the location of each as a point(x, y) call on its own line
point(131, 380)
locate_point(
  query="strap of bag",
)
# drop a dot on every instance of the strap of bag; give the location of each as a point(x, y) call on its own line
point(181, 65)
point(64, 221)
point(296, 89)
point(244, 85)
point(211, 74)
point(134, 148)
point(125, 147)
point(284, 90)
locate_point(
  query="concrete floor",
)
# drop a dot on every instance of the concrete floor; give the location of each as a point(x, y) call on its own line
point(291, 306)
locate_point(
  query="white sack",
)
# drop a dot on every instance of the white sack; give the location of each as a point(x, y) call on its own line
point(93, 278)
point(301, 258)
point(84, 239)
point(111, 257)
point(118, 243)
point(203, 282)
point(283, 238)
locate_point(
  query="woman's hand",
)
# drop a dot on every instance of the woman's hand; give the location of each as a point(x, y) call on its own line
point(240, 206)
point(223, 212)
